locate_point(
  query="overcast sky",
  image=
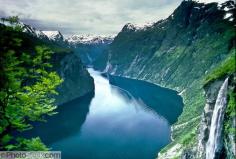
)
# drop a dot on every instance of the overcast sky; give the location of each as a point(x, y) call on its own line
point(105, 17)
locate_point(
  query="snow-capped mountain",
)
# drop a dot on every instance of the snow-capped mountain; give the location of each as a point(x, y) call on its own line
point(137, 27)
point(226, 6)
point(33, 31)
point(47, 35)
point(58, 37)
point(90, 39)
point(54, 35)
point(27, 29)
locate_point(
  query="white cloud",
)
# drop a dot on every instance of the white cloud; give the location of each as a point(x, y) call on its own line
point(88, 16)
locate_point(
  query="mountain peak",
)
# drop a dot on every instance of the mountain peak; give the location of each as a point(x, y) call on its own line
point(136, 27)
point(54, 35)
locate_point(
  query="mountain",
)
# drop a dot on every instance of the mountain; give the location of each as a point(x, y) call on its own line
point(54, 35)
point(90, 48)
point(89, 39)
point(191, 49)
point(26, 28)
point(77, 81)
point(135, 27)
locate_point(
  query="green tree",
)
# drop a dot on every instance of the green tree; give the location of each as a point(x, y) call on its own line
point(13, 19)
point(28, 85)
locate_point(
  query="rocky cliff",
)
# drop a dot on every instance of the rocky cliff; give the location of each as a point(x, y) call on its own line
point(211, 93)
point(181, 53)
point(225, 139)
point(77, 81)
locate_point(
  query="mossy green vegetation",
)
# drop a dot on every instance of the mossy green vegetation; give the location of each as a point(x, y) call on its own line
point(190, 136)
point(230, 114)
point(227, 67)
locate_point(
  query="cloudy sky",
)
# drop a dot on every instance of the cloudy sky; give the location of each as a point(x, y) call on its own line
point(87, 16)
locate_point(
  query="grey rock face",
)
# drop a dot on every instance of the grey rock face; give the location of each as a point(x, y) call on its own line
point(215, 144)
point(189, 154)
point(211, 94)
point(77, 81)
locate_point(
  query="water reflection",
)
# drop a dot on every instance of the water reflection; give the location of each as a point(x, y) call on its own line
point(63, 124)
point(117, 126)
point(113, 125)
point(165, 102)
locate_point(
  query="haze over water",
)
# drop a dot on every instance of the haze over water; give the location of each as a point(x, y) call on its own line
point(109, 124)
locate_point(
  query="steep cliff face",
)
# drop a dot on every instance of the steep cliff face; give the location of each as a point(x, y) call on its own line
point(215, 139)
point(178, 53)
point(211, 93)
point(77, 81)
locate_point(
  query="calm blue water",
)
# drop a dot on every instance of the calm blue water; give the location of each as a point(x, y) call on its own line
point(109, 124)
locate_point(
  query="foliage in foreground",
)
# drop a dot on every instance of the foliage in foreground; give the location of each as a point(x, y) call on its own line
point(27, 87)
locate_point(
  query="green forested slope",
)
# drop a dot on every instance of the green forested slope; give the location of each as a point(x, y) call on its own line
point(36, 76)
point(179, 53)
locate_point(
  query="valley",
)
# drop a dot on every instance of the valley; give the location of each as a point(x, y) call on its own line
point(165, 90)
point(110, 122)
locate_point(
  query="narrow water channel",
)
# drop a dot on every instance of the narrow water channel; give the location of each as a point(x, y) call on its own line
point(112, 123)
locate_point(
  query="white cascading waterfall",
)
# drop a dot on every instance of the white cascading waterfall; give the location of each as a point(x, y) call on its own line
point(215, 140)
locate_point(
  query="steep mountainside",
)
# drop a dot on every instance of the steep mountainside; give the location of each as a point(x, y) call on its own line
point(91, 49)
point(77, 81)
point(179, 53)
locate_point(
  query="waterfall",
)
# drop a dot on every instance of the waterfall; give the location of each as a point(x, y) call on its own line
point(215, 140)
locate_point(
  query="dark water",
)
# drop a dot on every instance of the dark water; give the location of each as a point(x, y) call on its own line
point(112, 123)
point(164, 101)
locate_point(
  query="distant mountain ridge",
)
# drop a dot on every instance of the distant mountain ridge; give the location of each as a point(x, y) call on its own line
point(57, 36)
point(88, 47)
point(89, 39)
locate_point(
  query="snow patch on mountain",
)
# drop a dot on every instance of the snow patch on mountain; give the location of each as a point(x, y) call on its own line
point(54, 35)
point(26, 28)
point(227, 15)
point(137, 27)
point(225, 5)
point(210, 1)
point(90, 39)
